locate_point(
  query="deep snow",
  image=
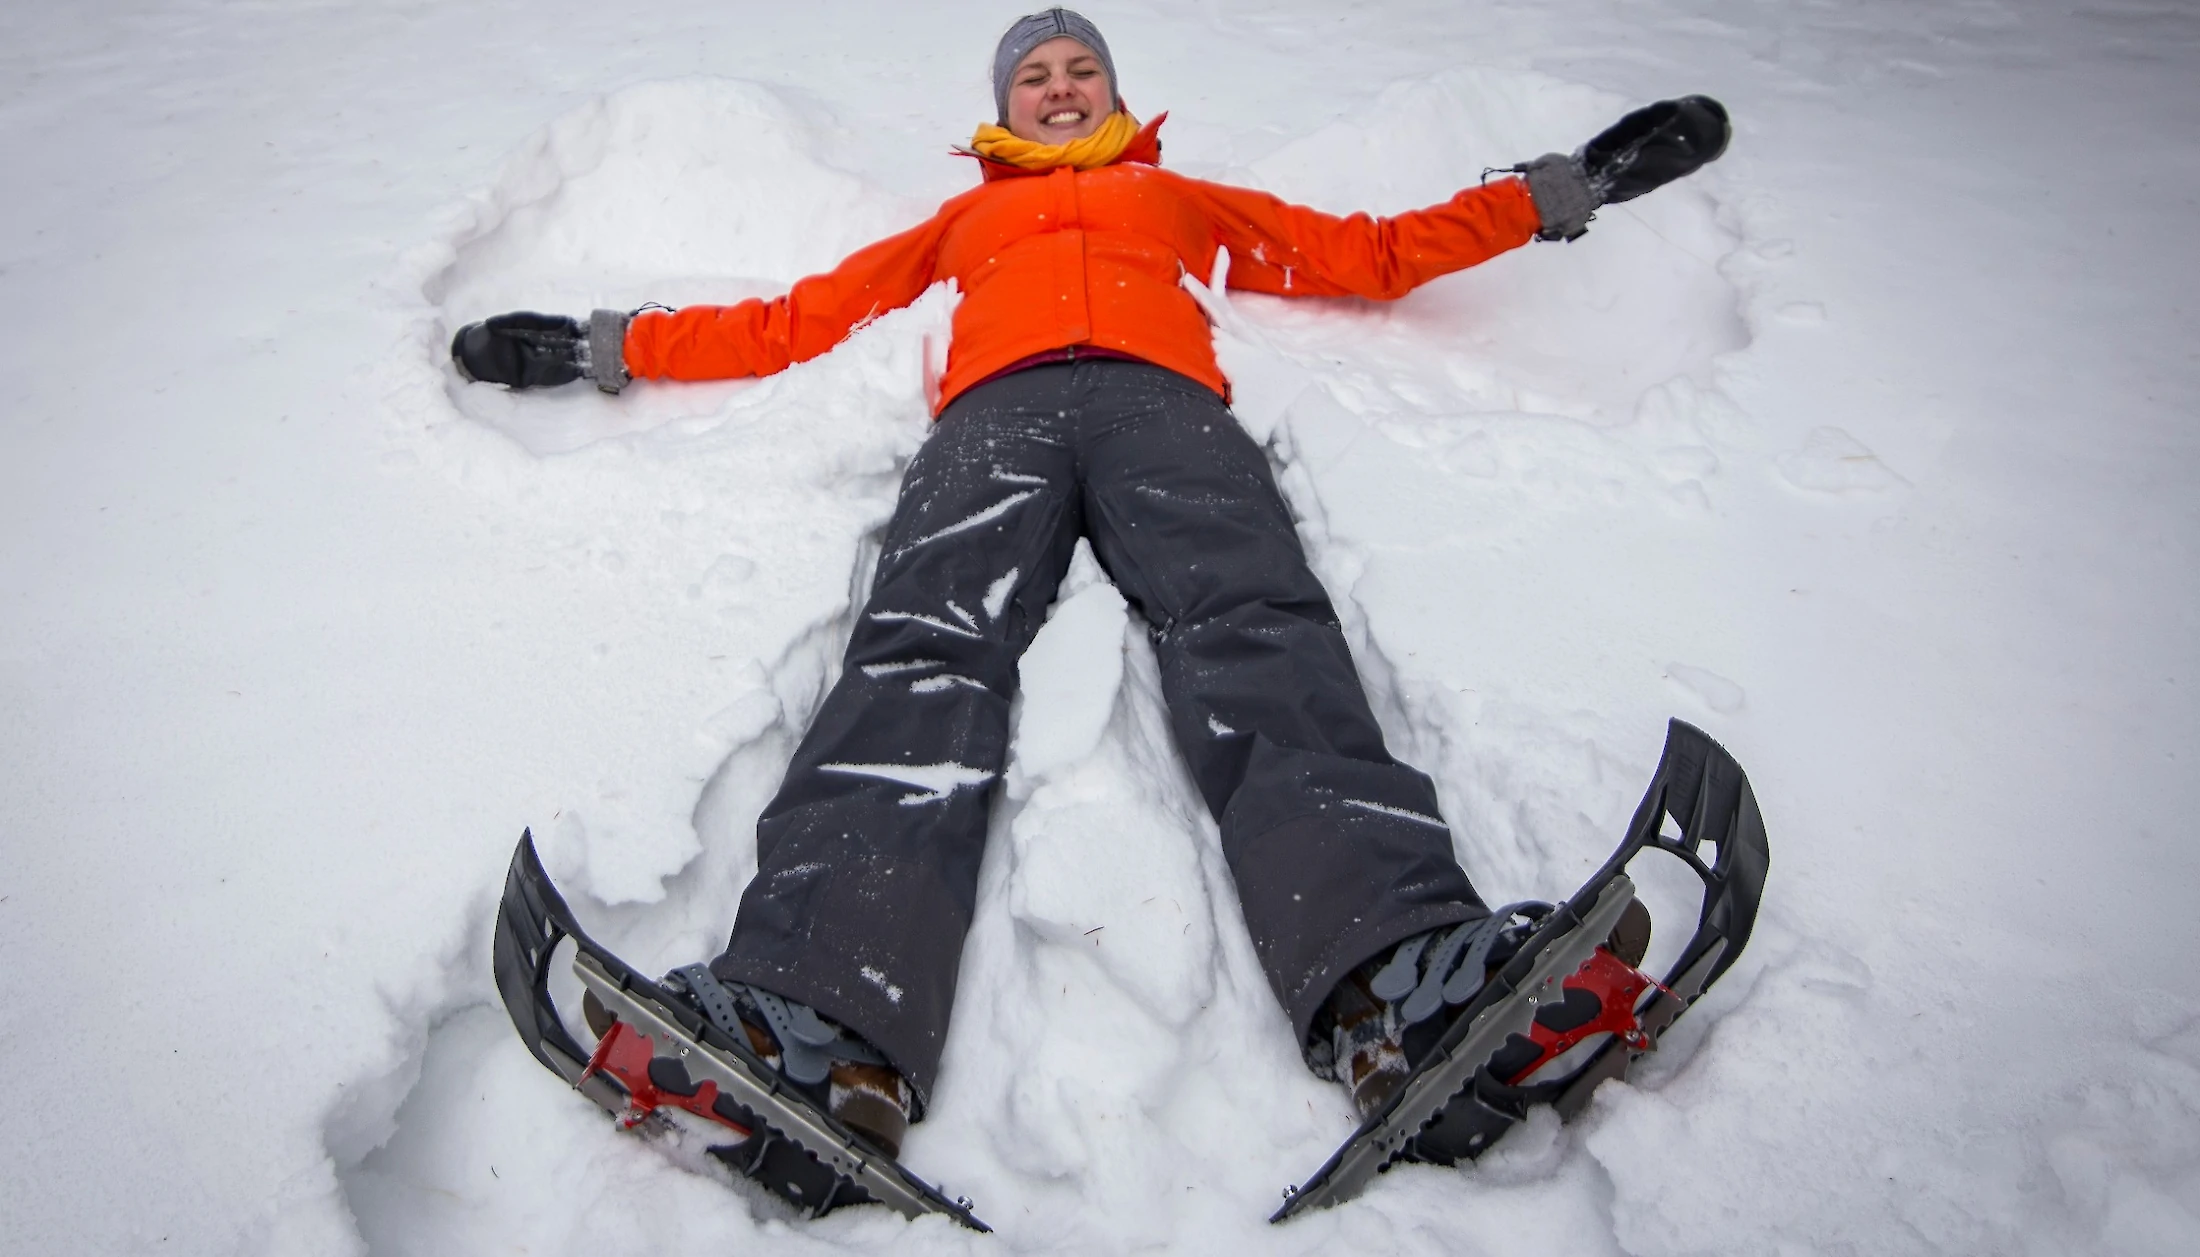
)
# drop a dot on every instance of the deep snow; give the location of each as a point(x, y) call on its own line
point(1870, 451)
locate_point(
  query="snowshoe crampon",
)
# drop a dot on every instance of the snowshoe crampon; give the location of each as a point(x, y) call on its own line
point(1565, 1014)
point(662, 1054)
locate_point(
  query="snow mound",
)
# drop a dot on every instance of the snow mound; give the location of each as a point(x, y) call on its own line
point(690, 184)
point(683, 192)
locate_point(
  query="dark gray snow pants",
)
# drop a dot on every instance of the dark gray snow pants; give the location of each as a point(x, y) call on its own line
point(868, 857)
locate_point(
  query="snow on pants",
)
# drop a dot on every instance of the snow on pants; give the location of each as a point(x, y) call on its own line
point(867, 860)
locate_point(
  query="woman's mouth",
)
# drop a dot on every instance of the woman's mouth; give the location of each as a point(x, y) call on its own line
point(1064, 118)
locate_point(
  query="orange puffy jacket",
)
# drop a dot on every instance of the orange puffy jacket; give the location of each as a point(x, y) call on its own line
point(1064, 257)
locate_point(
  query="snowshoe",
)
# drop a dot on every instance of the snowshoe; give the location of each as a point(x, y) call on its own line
point(1569, 1010)
point(661, 1051)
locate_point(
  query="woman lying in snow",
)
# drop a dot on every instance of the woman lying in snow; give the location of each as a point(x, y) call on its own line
point(1082, 399)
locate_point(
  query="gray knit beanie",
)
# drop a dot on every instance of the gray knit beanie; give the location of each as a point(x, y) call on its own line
point(1030, 32)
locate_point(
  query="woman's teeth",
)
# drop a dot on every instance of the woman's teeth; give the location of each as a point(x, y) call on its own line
point(1066, 116)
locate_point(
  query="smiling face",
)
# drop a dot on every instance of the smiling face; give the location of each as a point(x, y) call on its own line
point(1060, 92)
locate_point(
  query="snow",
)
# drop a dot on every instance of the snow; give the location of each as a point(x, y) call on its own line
point(1368, 805)
point(1869, 450)
point(918, 617)
point(933, 782)
point(998, 593)
point(894, 666)
point(985, 516)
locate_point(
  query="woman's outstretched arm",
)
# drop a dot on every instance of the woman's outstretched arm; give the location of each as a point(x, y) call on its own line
point(1283, 248)
point(759, 336)
point(1291, 250)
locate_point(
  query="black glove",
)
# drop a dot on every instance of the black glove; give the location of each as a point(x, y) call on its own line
point(528, 350)
point(1655, 145)
point(1652, 146)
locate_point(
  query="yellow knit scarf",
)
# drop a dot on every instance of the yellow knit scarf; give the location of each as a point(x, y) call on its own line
point(1104, 145)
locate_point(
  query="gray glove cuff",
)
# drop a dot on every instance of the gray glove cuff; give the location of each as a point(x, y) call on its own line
point(607, 349)
point(1563, 198)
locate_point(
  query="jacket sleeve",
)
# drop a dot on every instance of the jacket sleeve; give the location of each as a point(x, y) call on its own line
point(759, 337)
point(1290, 250)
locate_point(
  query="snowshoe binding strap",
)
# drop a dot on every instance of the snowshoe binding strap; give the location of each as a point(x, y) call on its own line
point(1397, 979)
point(1456, 964)
point(715, 1000)
point(808, 1044)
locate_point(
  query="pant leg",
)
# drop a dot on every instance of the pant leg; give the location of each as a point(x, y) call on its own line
point(1336, 848)
point(867, 859)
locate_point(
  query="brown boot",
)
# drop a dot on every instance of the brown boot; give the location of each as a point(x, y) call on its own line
point(598, 1017)
point(1630, 940)
point(872, 1101)
point(1367, 1046)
